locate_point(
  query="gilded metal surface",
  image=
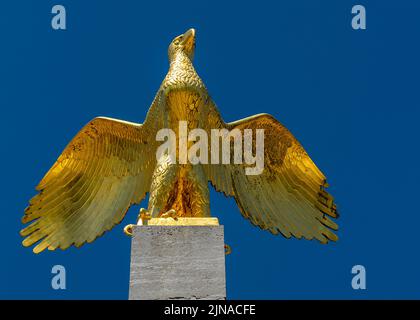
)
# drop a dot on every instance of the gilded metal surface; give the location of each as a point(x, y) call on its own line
point(111, 164)
point(228, 249)
point(184, 221)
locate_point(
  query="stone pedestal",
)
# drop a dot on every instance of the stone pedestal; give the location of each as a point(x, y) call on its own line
point(177, 262)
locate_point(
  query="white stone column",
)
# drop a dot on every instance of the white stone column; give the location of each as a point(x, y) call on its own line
point(177, 262)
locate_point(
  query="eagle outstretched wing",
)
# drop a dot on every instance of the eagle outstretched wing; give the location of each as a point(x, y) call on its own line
point(105, 169)
point(289, 196)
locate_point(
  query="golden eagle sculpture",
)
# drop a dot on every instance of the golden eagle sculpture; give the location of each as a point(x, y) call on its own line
point(112, 164)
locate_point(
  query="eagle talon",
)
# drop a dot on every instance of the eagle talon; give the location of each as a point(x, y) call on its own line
point(143, 217)
point(170, 214)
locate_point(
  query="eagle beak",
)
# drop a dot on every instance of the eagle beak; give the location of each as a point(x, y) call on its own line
point(188, 39)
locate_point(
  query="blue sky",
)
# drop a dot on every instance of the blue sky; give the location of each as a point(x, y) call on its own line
point(350, 97)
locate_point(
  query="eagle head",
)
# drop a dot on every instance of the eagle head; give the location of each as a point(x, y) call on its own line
point(183, 43)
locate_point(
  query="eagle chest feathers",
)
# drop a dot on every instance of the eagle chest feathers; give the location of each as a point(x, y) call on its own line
point(184, 93)
point(111, 165)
